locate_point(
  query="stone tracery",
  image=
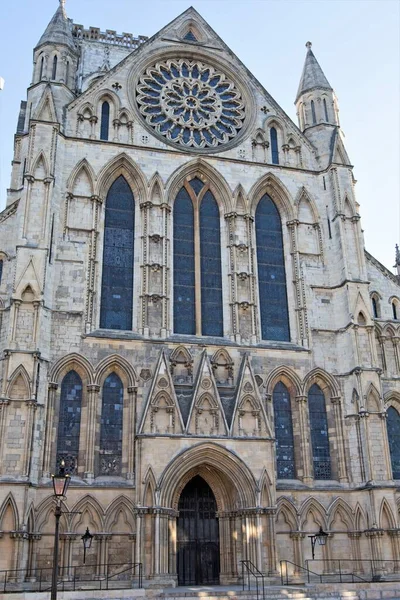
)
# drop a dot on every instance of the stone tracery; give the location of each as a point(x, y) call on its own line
point(191, 103)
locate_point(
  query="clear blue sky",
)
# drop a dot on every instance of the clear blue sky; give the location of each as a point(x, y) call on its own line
point(356, 42)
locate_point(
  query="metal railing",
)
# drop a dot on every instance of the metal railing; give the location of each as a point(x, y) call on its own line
point(366, 569)
point(249, 572)
point(70, 578)
point(338, 573)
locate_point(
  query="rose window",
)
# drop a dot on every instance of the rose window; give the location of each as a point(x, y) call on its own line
point(190, 103)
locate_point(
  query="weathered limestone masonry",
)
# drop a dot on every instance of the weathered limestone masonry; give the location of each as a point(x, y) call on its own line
point(141, 411)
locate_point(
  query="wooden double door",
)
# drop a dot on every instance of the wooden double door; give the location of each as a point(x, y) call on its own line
point(198, 535)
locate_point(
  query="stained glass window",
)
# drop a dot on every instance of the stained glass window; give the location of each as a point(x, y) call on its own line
point(54, 72)
point(184, 266)
point(271, 272)
point(117, 282)
point(319, 433)
point(393, 429)
point(111, 426)
point(105, 120)
point(285, 464)
point(274, 146)
point(1, 270)
point(326, 111)
point(314, 118)
point(69, 421)
point(208, 246)
point(211, 280)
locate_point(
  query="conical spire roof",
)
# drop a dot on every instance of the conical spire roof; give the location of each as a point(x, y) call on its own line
point(58, 31)
point(312, 76)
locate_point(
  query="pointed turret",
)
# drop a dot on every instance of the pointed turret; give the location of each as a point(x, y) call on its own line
point(397, 263)
point(315, 100)
point(56, 54)
point(59, 30)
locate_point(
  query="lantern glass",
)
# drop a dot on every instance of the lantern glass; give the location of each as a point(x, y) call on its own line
point(87, 539)
point(321, 537)
point(61, 482)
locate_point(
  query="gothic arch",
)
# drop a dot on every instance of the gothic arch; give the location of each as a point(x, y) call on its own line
point(222, 463)
point(9, 501)
point(385, 510)
point(120, 504)
point(162, 395)
point(240, 200)
point(264, 486)
point(389, 331)
point(20, 371)
point(30, 518)
point(325, 381)
point(373, 399)
point(116, 364)
point(90, 505)
point(287, 376)
point(360, 518)
point(195, 27)
point(304, 195)
point(271, 185)
point(125, 166)
point(218, 185)
point(156, 189)
point(72, 362)
point(45, 511)
point(107, 95)
point(392, 398)
point(289, 511)
point(340, 506)
point(315, 507)
point(40, 158)
point(149, 488)
point(81, 166)
point(181, 351)
point(348, 207)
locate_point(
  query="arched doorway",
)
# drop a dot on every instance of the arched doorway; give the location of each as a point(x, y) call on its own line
point(197, 535)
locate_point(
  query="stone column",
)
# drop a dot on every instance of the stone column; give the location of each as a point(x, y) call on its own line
point(89, 430)
point(225, 548)
point(273, 556)
point(3, 414)
point(15, 304)
point(48, 454)
point(132, 394)
point(30, 179)
point(375, 534)
point(31, 406)
point(297, 537)
point(341, 468)
point(305, 445)
point(395, 342)
point(355, 548)
point(394, 535)
point(382, 345)
point(93, 120)
point(161, 548)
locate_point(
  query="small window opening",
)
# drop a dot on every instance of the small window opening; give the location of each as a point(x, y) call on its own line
point(67, 73)
point(54, 73)
point(274, 146)
point(323, 179)
point(375, 308)
point(1, 270)
point(394, 309)
point(51, 240)
point(314, 118)
point(41, 68)
point(326, 110)
point(105, 121)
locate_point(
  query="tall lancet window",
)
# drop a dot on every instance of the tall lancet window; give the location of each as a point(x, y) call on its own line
point(274, 146)
point(326, 111)
point(41, 68)
point(117, 281)
point(69, 421)
point(197, 262)
point(1, 269)
point(105, 121)
point(271, 272)
point(54, 71)
point(285, 465)
point(393, 429)
point(111, 426)
point(319, 433)
point(314, 117)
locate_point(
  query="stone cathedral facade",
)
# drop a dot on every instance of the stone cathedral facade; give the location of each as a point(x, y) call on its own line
point(188, 317)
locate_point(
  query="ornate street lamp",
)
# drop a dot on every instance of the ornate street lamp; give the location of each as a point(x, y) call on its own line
point(87, 543)
point(321, 537)
point(60, 487)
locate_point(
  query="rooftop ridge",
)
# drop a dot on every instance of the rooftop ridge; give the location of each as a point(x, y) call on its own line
point(109, 36)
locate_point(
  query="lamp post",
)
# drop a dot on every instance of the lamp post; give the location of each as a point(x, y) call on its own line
point(60, 487)
point(321, 536)
point(87, 543)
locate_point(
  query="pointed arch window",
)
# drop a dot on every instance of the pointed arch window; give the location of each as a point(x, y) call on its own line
point(285, 459)
point(314, 118)
point(271, 272)
point(41, 68)
point(393, 429)
point(394, 308)
point(1, 269)
point(319, 433)
point(325, 110)
point(375, 307)
point(197, 262)
point(117, 280)
point(54, 70)
point(105, 121)
point(69, 421)
point(67, 73)
point(111, 426)
point(274, 146)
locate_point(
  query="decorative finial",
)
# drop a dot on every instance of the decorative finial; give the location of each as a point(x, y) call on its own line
point(308, 45)
point(397, 255)
point(62, 4)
